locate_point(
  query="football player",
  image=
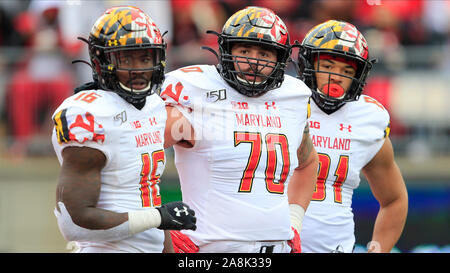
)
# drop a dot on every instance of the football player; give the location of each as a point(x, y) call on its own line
point(350, 132)
point(240, 132)
point(109, 139)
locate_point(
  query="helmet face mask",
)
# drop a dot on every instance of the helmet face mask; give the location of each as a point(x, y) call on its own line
point(258, 27)
point(124, 31)
point(251, 72)
point(344, 42)
point(129, 74)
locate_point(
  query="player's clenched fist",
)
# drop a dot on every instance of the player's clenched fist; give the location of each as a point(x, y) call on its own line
point(177, 215)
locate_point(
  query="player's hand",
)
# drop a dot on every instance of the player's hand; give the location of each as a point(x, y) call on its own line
point(182, 243)
point(373, 247)
point(295, 243)
point(177, 215)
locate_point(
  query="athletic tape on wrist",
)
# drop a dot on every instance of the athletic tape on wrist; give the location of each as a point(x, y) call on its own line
point(297, 213)
point(142, 220)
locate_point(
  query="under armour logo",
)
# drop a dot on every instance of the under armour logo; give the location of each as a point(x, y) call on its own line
point(270, 105)
point(178, 211)
point(112, 43)
point(342, 127)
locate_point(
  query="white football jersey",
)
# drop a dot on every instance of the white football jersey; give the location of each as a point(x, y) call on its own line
point(132, 142)
point(235, 177)
point(345, 141)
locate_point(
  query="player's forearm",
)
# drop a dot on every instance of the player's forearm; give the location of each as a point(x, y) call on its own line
point(389, 189)
point(178, 129)
point(79, 189)
point(389, 225)
point(137, 221)
point(303, 181)
point(97, 219)
point(79, 193)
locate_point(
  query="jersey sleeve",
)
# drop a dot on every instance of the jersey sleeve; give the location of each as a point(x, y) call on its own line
point(379, 121)
point(75, 126)
point(381, 116)
point(183, 95)
point(177, 91)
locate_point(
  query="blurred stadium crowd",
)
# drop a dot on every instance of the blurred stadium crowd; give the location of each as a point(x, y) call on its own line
point(411, 39)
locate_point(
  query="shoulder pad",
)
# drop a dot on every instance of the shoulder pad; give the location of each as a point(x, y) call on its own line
point(367, 99)
point(77, 125)
point(180, 86)
point(377, 112)
point(298, 86)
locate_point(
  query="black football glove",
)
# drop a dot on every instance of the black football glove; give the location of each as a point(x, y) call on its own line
point(177, 215)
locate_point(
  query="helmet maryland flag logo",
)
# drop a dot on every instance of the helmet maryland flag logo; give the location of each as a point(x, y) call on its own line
point(338, 35)
point(125, 25)
point(256, 22)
